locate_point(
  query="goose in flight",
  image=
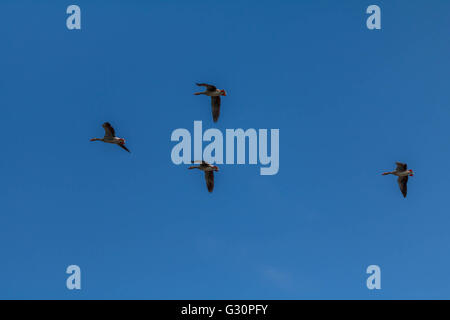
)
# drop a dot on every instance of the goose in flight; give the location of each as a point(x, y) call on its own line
point(110, 137)
point(402, 173)
point(208, 169)
point(215, 94)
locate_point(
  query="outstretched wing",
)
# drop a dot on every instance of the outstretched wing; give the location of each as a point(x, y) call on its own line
point(203, 162)
point(209, 87)
point(215, 104)
point(403, 184)
point(124, 148)
point(109, 130)
point(401, 166)
point(209, 177)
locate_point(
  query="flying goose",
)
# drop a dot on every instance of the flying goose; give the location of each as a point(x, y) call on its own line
point(208, 169)
point(110, 137)
point(215, 94)
point(402, 173)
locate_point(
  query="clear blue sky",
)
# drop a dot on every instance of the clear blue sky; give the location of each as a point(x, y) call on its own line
point(349, 102)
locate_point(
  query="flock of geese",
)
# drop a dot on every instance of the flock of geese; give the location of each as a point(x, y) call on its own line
point(401, 170)
point(208, 169)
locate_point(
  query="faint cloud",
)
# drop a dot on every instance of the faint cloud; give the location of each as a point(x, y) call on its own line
point(278, 277)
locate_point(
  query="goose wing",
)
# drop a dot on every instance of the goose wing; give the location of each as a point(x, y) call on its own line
point(401, 166)
point(109, 130)
point(209, 87)
point(124, 148)
point(200, 161)
point(209, 177)
point(215, 104)
point(403, 184)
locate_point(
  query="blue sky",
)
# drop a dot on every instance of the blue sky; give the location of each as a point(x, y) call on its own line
point(349, 102)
